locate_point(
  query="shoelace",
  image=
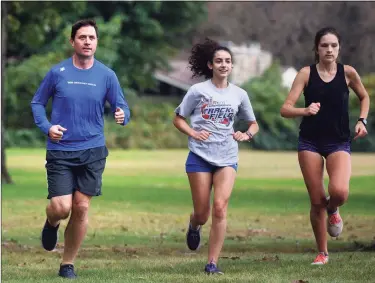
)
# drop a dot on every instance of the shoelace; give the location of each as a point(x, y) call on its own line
point(334, 219)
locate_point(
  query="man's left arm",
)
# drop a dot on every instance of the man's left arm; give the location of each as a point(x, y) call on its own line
point(116, 99)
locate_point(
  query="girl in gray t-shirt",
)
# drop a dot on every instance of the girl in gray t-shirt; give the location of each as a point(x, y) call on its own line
point(212, 106)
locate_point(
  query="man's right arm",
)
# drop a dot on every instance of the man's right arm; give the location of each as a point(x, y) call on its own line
point(40, 100)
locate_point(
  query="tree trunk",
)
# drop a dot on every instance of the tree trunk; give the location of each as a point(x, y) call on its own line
point(5, 176)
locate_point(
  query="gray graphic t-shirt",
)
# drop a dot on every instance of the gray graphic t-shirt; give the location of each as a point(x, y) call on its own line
point(213, 109)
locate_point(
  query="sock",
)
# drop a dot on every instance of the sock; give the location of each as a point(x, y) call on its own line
point(331, 211)
point(52, 227)
point(66, 264)
point(195, 229)
point(212, 262)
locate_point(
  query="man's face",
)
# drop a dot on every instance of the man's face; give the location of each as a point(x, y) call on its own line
point(85, 42)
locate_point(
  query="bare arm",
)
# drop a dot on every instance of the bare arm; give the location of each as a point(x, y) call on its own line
point(253, 128)
point(357, 86)
point(288, 110)
point(249, 134)
point(180, 123)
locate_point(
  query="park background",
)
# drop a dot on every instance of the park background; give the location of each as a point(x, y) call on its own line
point(137, 227)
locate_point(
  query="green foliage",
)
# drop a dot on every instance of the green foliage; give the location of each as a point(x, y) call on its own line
point(23, 138)
point(31, 25)
point(267, 95)
point(150, 128)
point(149, 33)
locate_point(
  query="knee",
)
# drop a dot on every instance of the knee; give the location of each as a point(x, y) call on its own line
point(338, 194)
point(201, 217)
point(80, 210)
point(220, 209)
point(61, 209)
point(339, 199)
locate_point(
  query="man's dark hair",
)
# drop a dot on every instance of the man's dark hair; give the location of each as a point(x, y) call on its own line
point(83, 23)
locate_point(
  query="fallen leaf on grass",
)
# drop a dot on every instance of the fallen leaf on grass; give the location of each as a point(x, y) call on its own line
point(22, 264)
point(255, 232)
point(240, 238)
point(131, 250)
point(230, 257)
point(128, 251)
point(269, 258)
point(300, 281)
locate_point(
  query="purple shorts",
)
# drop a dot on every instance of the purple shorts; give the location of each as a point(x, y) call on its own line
point(195, 163)
point(323, 148)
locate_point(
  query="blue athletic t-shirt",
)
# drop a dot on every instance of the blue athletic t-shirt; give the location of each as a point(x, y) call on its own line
point(78, 99)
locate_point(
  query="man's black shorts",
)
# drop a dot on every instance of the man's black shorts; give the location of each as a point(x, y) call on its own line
point(82, 170)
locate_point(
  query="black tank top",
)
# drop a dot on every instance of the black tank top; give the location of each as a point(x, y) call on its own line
point(331, 123)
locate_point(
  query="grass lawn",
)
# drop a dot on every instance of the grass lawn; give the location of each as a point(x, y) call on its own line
point(137, 227)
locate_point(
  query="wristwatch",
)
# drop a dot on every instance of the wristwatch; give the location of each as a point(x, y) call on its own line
point(363, 120)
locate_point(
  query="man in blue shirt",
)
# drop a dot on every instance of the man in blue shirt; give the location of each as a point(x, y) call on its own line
point(76, 151)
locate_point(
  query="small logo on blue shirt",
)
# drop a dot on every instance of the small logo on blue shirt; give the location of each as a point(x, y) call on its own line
point(62, 69)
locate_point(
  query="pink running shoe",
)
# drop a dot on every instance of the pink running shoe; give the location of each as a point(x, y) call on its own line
point(334, 224)
point(320, 259)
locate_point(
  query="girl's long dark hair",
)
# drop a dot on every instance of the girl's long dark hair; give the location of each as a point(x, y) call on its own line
point(201, 54)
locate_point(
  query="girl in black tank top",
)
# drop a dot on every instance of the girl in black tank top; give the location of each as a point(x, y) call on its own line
point(325, 134)
point(331, 123)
